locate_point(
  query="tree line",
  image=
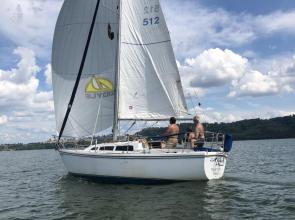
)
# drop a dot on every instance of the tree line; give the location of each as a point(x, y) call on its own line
point(251, 129)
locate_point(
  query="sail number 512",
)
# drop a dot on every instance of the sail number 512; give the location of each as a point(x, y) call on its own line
point(151, 21)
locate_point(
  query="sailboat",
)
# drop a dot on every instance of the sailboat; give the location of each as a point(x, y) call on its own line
point(113, 61)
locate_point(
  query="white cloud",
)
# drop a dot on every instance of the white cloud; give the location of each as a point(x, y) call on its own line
point(29, 23)
point(18, 94)
point(48, 74)
point(279, 78)
point(43, 96)
point(211, 115)
point(26, 68)
point(254, 83)
point(19, 85)
point(199, 27)
point(278, 21)
point(26, 108)
point(3, 119)
point(216, 67)
point(286, 74)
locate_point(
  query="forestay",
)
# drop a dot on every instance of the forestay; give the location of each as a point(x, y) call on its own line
point(149, 81)
point(96, 87)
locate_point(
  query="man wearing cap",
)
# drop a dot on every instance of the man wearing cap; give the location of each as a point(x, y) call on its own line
point(199, 133)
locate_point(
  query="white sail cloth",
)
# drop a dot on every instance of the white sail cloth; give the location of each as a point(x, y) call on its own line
point(149, 85)
point(97, 81)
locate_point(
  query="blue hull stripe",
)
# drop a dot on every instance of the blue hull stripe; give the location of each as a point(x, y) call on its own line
point(124, 180)
point(141, 157)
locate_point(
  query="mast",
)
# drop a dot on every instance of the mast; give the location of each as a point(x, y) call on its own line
point(117, 79)
point(79, 73)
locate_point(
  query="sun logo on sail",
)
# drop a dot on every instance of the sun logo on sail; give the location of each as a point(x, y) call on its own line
point(99, 85)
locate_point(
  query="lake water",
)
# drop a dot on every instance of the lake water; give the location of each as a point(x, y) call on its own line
point(259, 183)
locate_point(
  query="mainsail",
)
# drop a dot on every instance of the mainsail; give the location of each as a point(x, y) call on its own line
point(96, 87)
point(130, 68)
point(150, 85)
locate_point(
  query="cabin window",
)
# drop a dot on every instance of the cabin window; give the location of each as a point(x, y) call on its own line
point(94, 148)
point(109, 148)
point(124, 148)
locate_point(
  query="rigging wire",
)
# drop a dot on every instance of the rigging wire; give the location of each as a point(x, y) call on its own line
point(196, 94)
point(132, 125)
point(154, 123)
point(193, 104)
point(98, 111)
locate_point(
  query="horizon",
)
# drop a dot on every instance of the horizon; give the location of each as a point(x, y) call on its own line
point(237, 60)
point(51, 139)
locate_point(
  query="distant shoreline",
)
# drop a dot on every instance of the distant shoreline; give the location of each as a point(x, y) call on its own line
point(53, 148)
point(245, 130)
point(31, 146)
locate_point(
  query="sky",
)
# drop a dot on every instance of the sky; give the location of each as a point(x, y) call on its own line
point(237, 58)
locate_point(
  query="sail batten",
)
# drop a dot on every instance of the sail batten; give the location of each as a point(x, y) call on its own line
point(146, 44)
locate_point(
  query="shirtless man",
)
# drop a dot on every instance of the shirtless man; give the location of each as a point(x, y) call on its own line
point(172, 131)
point(199, 133)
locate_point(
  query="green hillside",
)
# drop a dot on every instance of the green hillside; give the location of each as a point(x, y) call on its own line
point(253, 129)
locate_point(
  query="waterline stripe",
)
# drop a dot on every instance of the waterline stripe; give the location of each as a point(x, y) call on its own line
point(140, 157)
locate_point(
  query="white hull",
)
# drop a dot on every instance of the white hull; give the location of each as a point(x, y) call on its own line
point(184, 165)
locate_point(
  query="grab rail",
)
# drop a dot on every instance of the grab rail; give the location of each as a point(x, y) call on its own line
point(213, 140)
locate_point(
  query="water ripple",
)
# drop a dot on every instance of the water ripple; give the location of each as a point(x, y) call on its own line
point(259, 184)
